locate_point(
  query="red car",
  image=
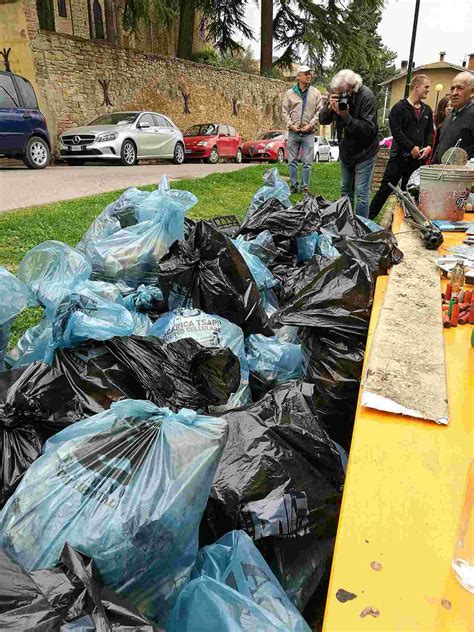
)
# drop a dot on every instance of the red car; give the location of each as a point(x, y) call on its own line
point(211, 141)
point(270, 146)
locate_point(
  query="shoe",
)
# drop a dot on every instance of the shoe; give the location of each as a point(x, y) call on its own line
point(293, 189)
point(304, 190)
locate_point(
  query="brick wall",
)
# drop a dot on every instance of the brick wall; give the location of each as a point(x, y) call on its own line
point(68, 70)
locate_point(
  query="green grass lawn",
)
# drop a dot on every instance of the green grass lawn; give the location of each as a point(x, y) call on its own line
point(218, 194)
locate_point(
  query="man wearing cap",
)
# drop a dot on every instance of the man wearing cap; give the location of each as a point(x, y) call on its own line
point(301, 106)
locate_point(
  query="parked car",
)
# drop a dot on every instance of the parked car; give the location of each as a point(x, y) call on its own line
point(124, 137)
point(211, 141)
point(322, 149)
point(269, 146)
point(334, 150)
point(23, 130)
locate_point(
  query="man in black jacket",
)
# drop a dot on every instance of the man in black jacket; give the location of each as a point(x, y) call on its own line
point(411, 123)
point(357, 134)
point(459, 123)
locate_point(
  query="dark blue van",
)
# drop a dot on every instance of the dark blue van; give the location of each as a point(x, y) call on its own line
point(23, 130)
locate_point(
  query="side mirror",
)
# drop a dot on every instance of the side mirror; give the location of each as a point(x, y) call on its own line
point(144, 125)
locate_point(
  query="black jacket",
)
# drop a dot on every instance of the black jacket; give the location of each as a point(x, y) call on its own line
point(408, 131)
point(357, 133)
point(462, 127)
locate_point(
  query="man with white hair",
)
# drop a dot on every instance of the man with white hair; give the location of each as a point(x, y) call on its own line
point(459, 124)
point(353, 108)
point(301, 106)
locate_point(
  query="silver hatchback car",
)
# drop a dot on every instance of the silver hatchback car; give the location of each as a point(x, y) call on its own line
point(125, 137)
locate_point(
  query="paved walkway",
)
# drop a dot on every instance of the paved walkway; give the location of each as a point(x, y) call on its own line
point(21, 187)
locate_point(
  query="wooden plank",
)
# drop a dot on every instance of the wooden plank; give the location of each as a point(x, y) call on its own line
point(406, 371)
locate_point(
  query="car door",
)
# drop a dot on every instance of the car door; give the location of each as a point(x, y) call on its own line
point(165, 137)
point(147, 135)
point(223, 141)
point(15, 120)
point(324, 150)
point(233, 141)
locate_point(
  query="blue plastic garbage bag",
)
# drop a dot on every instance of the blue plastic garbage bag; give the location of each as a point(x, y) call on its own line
point(263, 246)
point(144, 299)
point(234, 588)
point(50, 270)
point(13, 299)
point(273, 187)
point(93, 310)
point(210, 331)
point(128, 488)
point(165, 198)
point(307, 246)
point(259, 271)
point(272, 361)
point(325, 248)
point(132, 253)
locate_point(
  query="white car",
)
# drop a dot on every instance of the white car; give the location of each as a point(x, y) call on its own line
point(322, 150)
point(334, 150)
point(124, 137)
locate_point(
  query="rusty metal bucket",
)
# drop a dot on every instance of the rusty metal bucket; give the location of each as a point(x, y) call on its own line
point(445, 197)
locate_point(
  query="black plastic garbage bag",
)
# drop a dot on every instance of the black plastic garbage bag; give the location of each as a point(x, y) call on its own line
point(180, 374)
point(64, 598)
point(333, 363)
point(338, 218)
point(208, 272)
point(280, 479)
point(35, 403)
point(338, 298)
point(378, 250)
point(299, 278)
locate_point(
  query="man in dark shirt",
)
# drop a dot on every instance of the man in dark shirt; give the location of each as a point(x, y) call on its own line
point(411, 124)
point(459, 124)
point(357, 134)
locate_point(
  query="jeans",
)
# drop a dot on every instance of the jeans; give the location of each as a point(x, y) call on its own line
point(295, 143)
point(357, 179)
point(397, 167)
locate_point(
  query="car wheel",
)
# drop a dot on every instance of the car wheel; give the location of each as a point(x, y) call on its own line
point(280, 156)
point(316, 158)
point(128, 154)
point(75, 163)
point(178, 157)
point(238, 156)
point(37, 154)
point(214, 156)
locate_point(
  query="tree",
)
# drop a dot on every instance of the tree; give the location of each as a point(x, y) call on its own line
point(266, 38)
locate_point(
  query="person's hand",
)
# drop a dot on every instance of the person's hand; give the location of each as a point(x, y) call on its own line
point(305, 129)
point(425, 153)
point(415, 152)
point(294, 128)
point(333, 102)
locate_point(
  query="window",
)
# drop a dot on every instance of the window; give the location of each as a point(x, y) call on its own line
point(202, 130)
point(62, 11)
point(146, 118)
point(45, 11)
point(98, 20)
point(160, 121)
point(27, 93)
point(223, 130)
point(8, 96)
point(116, 118)
point(232, 131)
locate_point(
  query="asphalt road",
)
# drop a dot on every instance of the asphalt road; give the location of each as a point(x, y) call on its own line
point(21, 187)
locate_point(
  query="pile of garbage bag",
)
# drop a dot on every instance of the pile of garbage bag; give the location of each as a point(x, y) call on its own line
point(176, 427)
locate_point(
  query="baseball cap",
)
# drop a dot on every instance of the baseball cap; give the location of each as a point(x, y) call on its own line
point(303, 69)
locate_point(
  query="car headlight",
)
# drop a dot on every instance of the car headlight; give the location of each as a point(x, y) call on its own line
point(203, 143)
point(103, 138)
point(269, 146)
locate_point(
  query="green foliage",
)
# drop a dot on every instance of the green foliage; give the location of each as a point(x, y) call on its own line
point(208, 56)
point(241, 59)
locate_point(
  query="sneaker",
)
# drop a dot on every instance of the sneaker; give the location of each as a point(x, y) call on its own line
point(293, 189)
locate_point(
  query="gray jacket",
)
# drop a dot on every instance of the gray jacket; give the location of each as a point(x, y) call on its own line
point(293, 105)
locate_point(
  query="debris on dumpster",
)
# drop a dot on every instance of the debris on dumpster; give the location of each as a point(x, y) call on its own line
point(233, 587)
point(67, 597)
point(274, 187)
point(128, 488)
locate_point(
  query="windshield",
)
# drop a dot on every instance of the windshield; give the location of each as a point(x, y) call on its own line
point(116, 118)
point(270, 135)
point(202, 130)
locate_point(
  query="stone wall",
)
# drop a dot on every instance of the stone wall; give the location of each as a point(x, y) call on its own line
point(68, 70)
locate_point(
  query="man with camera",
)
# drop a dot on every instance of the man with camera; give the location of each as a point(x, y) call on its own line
point(300, 107)
point(353, 108)
point(411, 124)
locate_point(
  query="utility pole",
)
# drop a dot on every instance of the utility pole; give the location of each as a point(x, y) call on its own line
point(412, 47)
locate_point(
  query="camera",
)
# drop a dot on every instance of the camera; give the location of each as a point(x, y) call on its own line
point(344, 100)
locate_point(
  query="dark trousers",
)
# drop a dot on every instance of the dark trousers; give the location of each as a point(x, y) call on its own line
point(397, 167)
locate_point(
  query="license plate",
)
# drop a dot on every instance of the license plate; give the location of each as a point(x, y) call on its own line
point(260, 151)
point(75, 148)
point(188, 151)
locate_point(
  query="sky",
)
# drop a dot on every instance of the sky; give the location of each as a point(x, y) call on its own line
point(442, 25)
